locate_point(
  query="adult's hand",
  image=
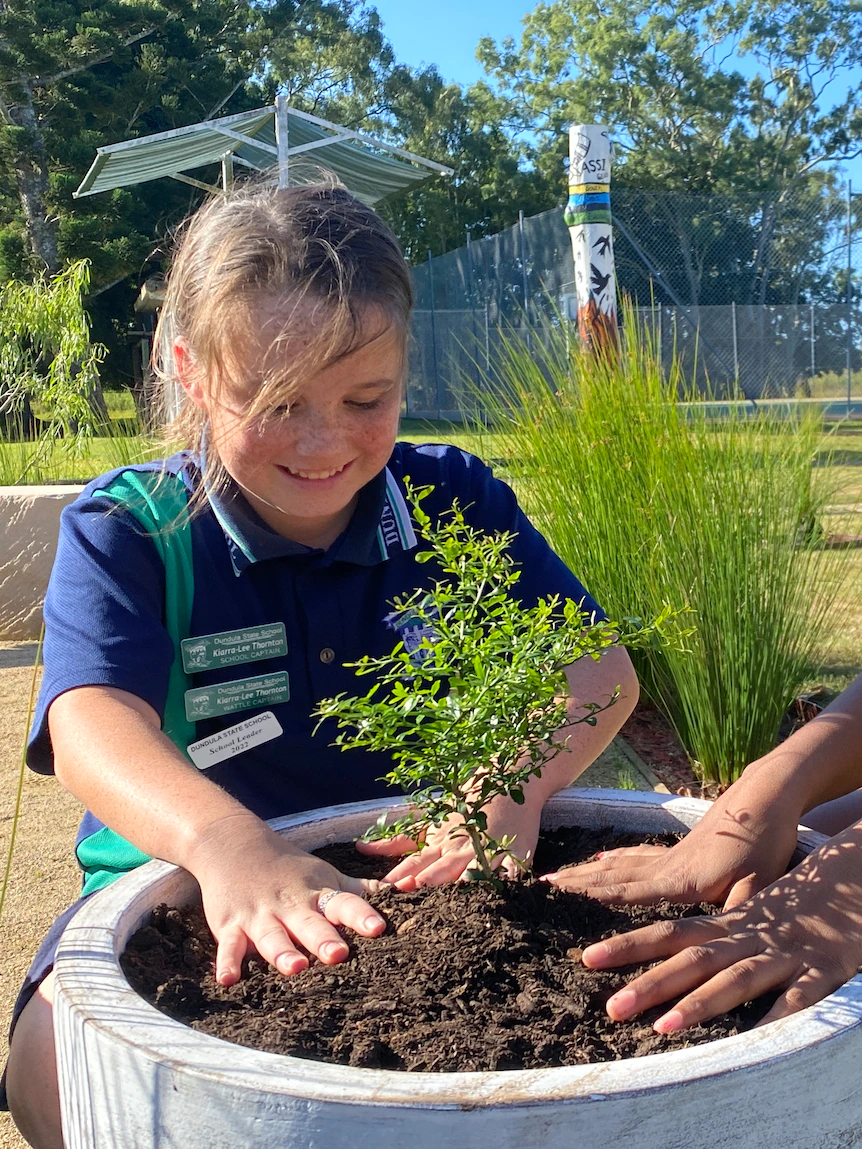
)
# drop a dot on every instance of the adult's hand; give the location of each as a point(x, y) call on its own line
point(801, 935)
point(744, 841)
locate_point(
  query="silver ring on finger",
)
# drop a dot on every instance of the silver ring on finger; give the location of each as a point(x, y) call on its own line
point(325, 897)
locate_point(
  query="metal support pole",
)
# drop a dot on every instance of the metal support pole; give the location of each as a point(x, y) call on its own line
point(811, 337)
point(282, 140)
point(522, 235)
point(472, 289)
point(851, 195)
point(487, 337)
point(227, 172)
point(735, 345)
point(433, 331)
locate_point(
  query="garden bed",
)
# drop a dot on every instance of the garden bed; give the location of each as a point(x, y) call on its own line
point(466, 977)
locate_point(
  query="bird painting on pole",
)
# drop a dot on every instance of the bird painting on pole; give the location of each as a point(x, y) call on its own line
point(588, 218)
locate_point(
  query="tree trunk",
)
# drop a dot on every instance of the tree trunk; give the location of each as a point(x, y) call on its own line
point(31, 173)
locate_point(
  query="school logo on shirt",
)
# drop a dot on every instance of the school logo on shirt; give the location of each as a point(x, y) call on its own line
point(416, 631)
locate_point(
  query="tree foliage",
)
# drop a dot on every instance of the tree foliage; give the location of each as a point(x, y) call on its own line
point(465, 129)
point(46, 352)
point(720, 98)
point(740, 102)
point(79, 74)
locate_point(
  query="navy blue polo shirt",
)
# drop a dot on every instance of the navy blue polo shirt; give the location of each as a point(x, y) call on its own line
point(106, 616)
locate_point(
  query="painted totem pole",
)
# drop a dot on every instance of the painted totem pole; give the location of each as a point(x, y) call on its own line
point(588, 218)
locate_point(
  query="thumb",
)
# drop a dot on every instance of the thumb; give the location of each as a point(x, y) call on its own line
point(388, 847)
point(743, 890)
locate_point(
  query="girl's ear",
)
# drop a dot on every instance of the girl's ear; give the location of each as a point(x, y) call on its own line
point(187, 373)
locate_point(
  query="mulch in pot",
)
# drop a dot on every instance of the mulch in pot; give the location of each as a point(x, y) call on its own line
point(466, 978)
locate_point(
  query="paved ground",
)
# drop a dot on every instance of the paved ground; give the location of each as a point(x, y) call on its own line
point(43, 879)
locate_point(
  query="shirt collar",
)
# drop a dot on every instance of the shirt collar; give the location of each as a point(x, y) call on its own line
point(379, 526)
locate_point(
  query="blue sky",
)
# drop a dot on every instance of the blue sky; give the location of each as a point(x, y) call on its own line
point(446, 32)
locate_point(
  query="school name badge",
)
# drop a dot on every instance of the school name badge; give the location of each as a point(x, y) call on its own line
point(232, 647)
point(235, 740)
point(242, 694)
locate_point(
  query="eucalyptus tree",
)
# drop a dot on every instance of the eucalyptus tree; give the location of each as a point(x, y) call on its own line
point(731, 98)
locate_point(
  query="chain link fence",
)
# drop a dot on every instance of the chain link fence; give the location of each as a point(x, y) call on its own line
point(754, 300)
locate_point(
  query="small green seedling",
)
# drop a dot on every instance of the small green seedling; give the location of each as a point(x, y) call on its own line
point(476, 707)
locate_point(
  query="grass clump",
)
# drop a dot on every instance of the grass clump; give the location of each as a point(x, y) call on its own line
point(653, 503)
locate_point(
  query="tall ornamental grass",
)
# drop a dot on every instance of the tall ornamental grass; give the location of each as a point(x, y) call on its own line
point(650, 504)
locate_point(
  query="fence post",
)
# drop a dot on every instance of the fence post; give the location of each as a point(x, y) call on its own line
point(522, 235)
point(588, 218)
point(811, 337)
point(433, 331)
point(487, 337)
point(472, 285)
point(735, 345)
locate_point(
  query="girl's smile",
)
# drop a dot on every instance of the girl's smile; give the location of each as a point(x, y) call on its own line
point(317, 477)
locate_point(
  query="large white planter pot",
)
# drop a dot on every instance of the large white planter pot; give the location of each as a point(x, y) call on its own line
point(131, 1078)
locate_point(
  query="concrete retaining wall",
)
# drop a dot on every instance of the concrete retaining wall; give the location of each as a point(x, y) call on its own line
point(29, 523)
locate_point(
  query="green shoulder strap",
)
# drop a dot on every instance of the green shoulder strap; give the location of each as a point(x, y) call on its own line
point(159, 503)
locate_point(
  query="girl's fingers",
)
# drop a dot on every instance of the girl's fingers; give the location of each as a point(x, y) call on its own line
point(650, 943)
point(449, 867)
point(809, 988)
point(631, 860)
point(388, 847)
point(741, 981)
point(360, 886)
point(312, 930)
point(276, 946)
point(695, 966)
point(407, 870)
point(600, 873)
point(346, 909)
point(232, 948)
point(596, 875)
point(743, 891)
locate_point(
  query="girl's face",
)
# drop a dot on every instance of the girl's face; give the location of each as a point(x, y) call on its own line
point(302, 468)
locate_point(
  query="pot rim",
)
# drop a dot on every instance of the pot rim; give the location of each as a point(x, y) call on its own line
point(91, 983)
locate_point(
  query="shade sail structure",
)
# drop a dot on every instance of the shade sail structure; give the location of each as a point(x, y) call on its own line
point(277, 137)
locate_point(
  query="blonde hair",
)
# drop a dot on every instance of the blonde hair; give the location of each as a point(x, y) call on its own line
point(311, 247)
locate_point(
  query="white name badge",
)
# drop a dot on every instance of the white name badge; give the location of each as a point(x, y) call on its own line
point(236, 739)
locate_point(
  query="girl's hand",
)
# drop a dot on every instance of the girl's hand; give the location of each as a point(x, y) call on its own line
point(743, 842)
point(801, 935)
point(262, 894)
point(448, 854)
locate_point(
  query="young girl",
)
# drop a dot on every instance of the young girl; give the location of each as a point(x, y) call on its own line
point(233, 581)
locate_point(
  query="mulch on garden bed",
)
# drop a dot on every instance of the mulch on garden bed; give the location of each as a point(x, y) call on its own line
point(466, 977)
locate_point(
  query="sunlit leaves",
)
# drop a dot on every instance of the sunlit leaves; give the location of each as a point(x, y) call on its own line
point(474, 712)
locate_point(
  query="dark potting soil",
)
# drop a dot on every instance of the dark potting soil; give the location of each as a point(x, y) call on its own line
point(466, 977)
